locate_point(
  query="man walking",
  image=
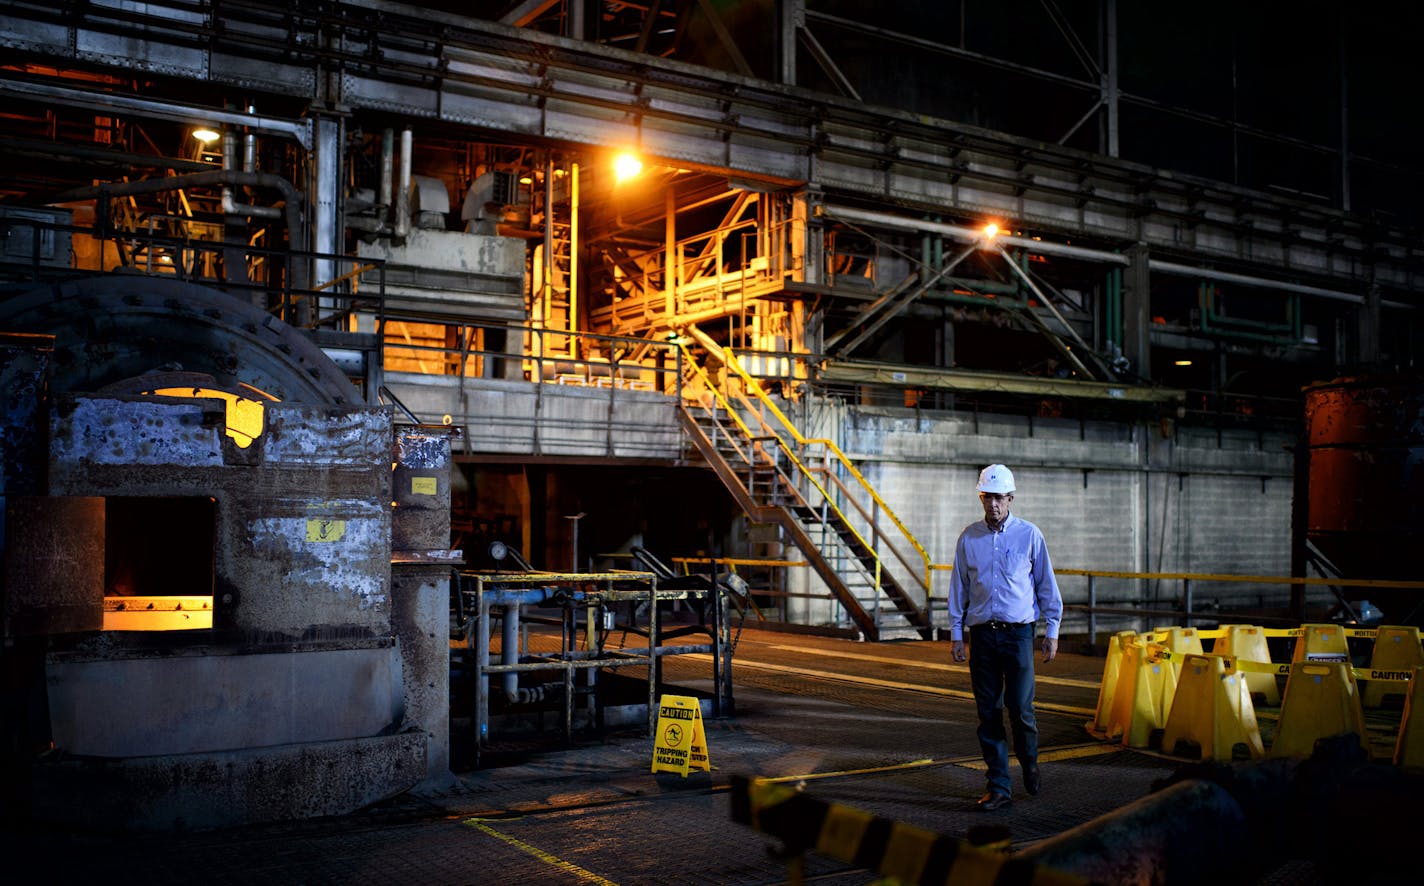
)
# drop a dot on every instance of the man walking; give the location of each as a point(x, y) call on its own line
point(1002, 584)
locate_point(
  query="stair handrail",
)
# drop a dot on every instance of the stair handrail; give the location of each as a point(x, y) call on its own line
point(792, 457)
point(860, 508)
point(730, 360)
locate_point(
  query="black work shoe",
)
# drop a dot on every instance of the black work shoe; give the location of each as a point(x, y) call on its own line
point(1033, 782)
point(991, 801)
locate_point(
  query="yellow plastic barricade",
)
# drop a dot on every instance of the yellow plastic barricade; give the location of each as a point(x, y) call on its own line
point(1212, 717)
point(1397, 653)
point(1181, 640)
point(1321, 643)
point(1409, 748)
point(1248, 643)
point(1321, 700)
point(1111, 669)
point(1143, 696)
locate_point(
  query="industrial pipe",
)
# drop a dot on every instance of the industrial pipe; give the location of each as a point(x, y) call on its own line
point(509, 649)
point(229, 205)
point(388, 149)
point(292, 198)
point(969, 235)
point(402, 222)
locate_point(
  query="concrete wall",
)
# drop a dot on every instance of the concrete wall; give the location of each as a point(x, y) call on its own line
point(1132, 497)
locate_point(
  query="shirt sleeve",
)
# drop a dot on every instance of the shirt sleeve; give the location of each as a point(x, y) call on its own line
point(958, 591)
point(1045, 588)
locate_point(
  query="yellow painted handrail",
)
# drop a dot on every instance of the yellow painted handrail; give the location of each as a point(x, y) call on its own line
point(755, 387)
point(805, 472)
point(1260, 579)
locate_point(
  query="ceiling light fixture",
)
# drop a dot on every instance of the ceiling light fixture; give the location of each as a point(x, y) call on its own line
point(626, 165)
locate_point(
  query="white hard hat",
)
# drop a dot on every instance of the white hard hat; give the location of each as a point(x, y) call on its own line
point(996, 478)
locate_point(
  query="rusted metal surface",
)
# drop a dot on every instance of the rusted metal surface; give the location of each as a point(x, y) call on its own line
point(111, 328)
point(331, 548)
point(305, 697)
point(420, 488)
point(1366, 473)
point(302, 536)
point(54, 565)
point(353, 438)
point(137, 432)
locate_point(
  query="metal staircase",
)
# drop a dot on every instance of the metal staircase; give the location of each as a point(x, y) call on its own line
point(812, 492)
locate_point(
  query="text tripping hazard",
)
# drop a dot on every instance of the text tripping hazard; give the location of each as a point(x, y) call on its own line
point(680, 744)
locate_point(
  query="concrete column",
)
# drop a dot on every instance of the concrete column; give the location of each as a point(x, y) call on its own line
point(420, 616)
point(420, 587)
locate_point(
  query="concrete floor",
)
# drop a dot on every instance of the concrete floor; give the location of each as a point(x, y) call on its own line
point(886, 728)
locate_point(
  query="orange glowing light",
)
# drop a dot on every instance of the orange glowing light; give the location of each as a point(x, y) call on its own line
point(626, 165)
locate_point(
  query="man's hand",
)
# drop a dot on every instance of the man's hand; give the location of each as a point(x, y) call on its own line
point(1050, 648)
point(956, 651)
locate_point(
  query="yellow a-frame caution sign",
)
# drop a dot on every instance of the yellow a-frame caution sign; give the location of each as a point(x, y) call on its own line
point(680, 744)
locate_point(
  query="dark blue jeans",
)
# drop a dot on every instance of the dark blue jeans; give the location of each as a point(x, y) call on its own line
point(1001, 672)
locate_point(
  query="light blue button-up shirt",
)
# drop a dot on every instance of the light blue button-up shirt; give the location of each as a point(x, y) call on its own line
point(1002, 575)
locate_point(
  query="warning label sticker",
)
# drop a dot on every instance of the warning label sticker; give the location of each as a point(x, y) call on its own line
point(680, 744)
point(320, 529)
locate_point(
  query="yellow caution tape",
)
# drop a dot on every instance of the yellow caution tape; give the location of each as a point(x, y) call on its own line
point(1283, 669)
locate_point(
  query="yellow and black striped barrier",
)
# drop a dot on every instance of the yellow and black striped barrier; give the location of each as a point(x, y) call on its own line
point(909, 854)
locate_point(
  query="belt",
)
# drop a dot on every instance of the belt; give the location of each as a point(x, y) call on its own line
point(999, 625)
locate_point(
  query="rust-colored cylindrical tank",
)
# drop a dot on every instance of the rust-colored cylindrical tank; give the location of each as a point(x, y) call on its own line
point(1366, 502)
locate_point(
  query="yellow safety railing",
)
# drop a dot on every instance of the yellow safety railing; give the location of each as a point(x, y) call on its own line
point(755, 388)
point(790, 456)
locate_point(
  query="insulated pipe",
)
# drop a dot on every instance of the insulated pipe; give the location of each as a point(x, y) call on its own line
point(1167, 267)
point(388, 149)
point(969, 235)
point(249, 147)
point(402, 225)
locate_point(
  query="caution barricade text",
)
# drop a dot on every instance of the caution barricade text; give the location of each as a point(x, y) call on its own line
point(680, 744)
point(1396, 654)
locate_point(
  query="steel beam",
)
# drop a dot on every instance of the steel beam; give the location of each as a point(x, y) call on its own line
point(529, 85)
